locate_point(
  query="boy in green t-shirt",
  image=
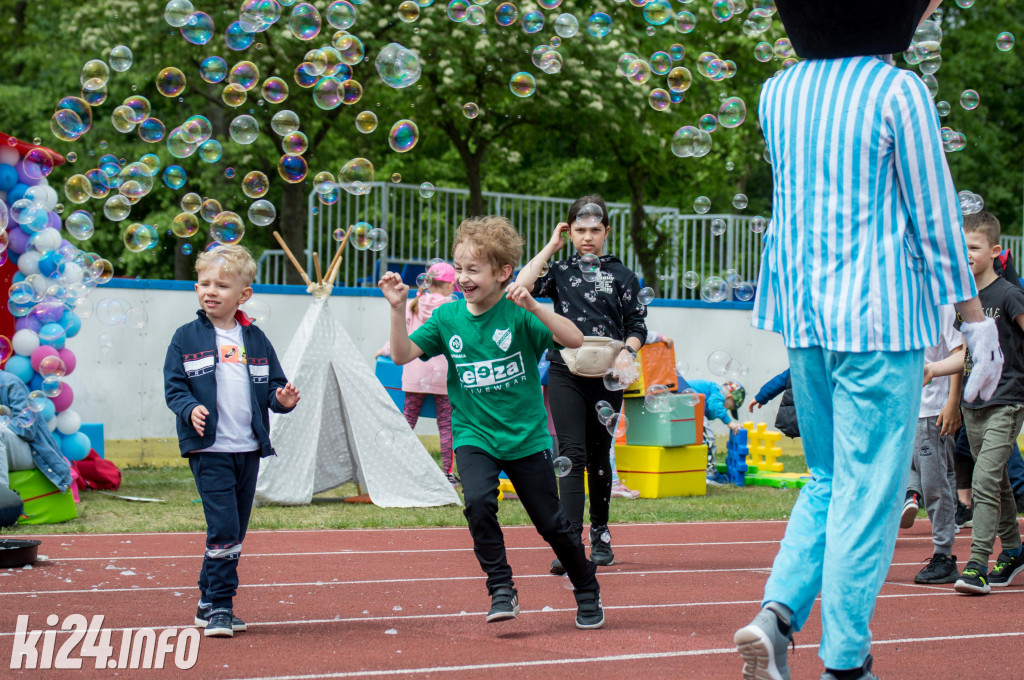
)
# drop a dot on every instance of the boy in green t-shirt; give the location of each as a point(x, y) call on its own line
point(493, 340)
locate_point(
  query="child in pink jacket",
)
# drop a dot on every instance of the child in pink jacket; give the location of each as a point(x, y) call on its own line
point(420, 378)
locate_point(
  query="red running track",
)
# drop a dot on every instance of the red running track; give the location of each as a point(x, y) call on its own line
point(411, 603)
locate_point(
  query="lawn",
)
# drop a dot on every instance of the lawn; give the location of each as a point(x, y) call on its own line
point(181, 510)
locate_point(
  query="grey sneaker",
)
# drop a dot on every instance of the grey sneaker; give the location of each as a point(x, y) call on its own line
point(203, 611)
point(219, 624)
point(763, 648)
point(504, 604)
point(865, 675)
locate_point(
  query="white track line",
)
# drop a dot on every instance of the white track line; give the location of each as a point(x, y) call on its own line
point(695, 544)
point(399, 619)
point(505, 665)
point(395, 581)
point(415, 529)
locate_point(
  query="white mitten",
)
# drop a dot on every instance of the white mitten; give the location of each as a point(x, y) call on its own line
point(982, 339)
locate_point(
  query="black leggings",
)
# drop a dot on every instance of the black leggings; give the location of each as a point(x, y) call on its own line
point(533, 477)
point(584, 441)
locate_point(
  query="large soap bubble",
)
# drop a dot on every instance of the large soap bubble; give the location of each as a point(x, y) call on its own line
point(398, 66)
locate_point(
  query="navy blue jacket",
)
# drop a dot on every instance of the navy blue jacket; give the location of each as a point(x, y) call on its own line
point(773, 388)
point(190, 379)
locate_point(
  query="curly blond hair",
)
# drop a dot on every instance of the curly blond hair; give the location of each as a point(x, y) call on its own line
point(493, 238)
point(233, 259)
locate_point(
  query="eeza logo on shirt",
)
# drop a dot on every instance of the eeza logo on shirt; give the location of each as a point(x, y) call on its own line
point(502, 338)
point(491, 374)
point(455, 344)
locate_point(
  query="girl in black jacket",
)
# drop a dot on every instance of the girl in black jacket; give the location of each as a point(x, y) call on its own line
point(600, 295)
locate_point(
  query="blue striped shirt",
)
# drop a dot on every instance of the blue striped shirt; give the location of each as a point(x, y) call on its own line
point(866, 239)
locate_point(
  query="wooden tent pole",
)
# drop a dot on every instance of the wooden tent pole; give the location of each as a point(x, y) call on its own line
point(332, 271)
point(316, 267)
point(288, 252)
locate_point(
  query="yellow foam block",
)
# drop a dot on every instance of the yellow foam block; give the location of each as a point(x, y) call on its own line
point(763, 448)
point(663, 471)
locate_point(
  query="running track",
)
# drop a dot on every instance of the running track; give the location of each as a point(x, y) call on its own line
point(411, 602)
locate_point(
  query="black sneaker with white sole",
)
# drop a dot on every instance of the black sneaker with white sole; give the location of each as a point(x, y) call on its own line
point(601, 547)
point(910, 507)
point(973, 580)
point(203, 612)
point(504, 604)
point(589, 611)
point(219, 624)
point(964, 514)
point(1006, 570)
point(940, 569)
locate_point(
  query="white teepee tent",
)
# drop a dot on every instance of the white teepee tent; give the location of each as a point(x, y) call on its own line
point(345, 427)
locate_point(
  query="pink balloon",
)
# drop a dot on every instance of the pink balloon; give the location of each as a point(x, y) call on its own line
point(41, 353)
point(62, 402)
point(69, 359)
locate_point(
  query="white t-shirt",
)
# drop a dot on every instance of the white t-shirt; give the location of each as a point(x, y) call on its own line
point(934, 395)
point(234, 409)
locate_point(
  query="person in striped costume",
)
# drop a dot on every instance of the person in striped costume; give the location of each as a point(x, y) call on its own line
point(866, 242)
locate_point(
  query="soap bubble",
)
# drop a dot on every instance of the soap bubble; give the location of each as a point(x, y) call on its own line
point(718, 226)
point(589, 263)
point(714, 289)
point(758, 224)
point(426, 190)
point(969, 99)
point(701, 205)
point(304, 22)
point(398, 66)
point(275, 90)
point(718, 361)
point(658, 399)
point(198, 30)
point(566, 25)
point(403, 136)
point(739, 201)
point(599, 24)
point(255, 184)
point(970, 203)
point(262, 212)
point(732, 112)
point(244, 129)
point(506, 14)
point(685, 22)
point(1004, 41)
point(213, 69)
point(744, 292)
point(170, 82)
point(227, 228)
point(284, 122)
point(184, 225)
point(356, 176)
point(522, 84)
point(617, 425)
point(120, 58)
point(691, 279)
point(689, 397)
point(292, 168)
point(138, 237)
point(95, 74)
point(590, 215)
point(658, 12)
point(562, 466)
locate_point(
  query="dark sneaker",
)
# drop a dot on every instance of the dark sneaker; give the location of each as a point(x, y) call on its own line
point(601, 547)
point(973, 580)
point(219, 624)
point(910, 507)
point(1006, 569)
point(589, 612)
point(763, 647)
point(717, 479)
point(504, 604)
point(203, 618)
point(964, 514)
point(866, 673)
point(556, 567)
point(1019, 500)
point(940, 569)
point(453, 479)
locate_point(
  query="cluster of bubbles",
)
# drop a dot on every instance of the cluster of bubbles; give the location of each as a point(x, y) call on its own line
point(723, 365)
point(615, 422)
point(720, 288)
point(970, 202)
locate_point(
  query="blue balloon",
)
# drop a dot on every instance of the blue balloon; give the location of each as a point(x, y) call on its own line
point(71, 323)
point(18, 277)
point(36, 382)
point(8, 177)
point(16, 192)
point(13, 256)
point(48, 412)
point(48, 263)
point(52, 334)
point(21, 367)
point(75, 446)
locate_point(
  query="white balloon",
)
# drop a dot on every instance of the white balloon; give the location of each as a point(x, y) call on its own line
point(68, 422)
point(28, 263)
point(52, 423)
point(46, 240)
point(25, 342)
point(73, 273)
point(51, 197)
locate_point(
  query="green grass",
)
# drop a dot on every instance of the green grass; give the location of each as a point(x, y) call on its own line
point(181, 511)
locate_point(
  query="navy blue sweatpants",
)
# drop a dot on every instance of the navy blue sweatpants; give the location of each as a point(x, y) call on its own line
point(226, 484)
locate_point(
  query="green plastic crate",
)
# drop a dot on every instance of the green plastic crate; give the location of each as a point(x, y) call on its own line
point(44, 502)
point(682, 426)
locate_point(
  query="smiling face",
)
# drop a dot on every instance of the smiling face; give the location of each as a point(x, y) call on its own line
point(221, 294)
point(980, 254)
point(480, 283)
point(588, 239)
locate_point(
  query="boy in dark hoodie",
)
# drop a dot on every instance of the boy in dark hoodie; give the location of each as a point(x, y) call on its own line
point(221, 376)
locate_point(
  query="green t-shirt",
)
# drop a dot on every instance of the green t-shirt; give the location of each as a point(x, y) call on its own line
point(493, 381)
